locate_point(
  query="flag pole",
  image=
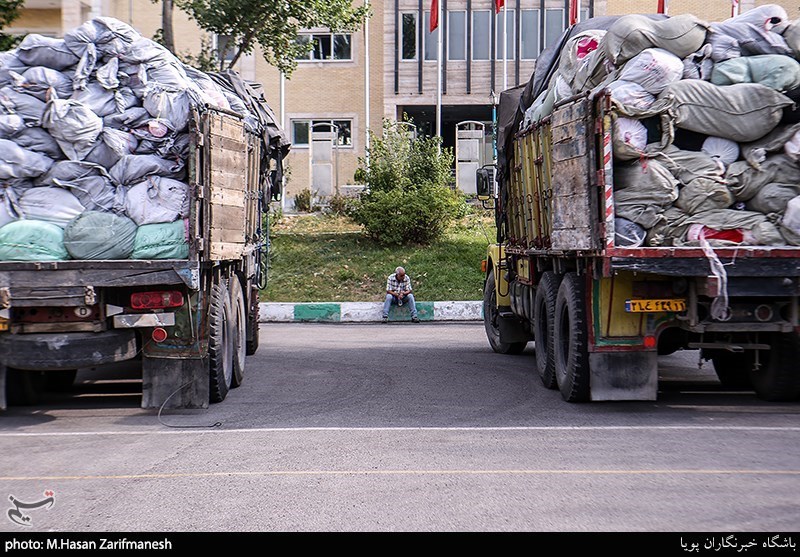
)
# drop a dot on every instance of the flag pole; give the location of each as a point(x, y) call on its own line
point(366, 88)
point(439, 71)
point(505, 48)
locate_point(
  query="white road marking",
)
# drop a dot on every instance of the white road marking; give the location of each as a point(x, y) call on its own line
point(511, 472)
point(477, 429)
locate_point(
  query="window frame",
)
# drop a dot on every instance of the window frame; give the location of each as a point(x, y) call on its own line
point(426, 34)
point(475, 34)
point(415, 37)
point(331, 37)
point(450, 27)
point(563, 24)
point(313, 121)
point(229, 53)
point(510, 54)
point(537, 26)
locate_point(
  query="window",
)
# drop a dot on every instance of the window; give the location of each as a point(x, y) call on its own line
point(326, 46)
point(529, 34)
point(409, 37)
point(553, 25)
point(481, 33)
point(301, 131)
point(431, 39)
point(457, 36)
point(226, 49)
point(509, 37)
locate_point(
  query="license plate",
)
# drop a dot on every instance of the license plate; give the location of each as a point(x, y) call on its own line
point(654, 306)
point(3, 324)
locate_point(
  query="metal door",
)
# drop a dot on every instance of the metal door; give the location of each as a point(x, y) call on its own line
point(322, 159)
point(470, 155)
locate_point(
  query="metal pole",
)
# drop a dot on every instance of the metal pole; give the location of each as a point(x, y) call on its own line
point(366, 88)
point(283, 125)
point(505, 47)
point(439, 71)
point(493, 98)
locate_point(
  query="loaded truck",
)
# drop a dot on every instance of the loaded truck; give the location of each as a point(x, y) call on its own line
point(599, 310)
point(191, 319)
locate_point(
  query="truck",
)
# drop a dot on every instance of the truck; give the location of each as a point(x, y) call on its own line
point(599, 313)
point(191, 322)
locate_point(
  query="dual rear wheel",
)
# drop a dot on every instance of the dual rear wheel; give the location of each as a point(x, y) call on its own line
point(227, 337)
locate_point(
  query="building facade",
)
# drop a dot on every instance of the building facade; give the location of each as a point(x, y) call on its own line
point(350, 82)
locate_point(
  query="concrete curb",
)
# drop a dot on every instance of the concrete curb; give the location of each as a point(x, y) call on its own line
point(364, 312)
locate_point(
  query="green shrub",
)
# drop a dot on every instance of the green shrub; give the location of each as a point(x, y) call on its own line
point(302, 201)
point(408, 199)
point(339, 204)
point(420, 215)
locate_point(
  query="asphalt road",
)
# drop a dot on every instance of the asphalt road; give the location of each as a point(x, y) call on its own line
point(404, 427)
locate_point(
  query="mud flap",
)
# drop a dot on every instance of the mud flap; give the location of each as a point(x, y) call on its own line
point(183, 382)
point(3, 402)
point(512, 329)
point(624, 375)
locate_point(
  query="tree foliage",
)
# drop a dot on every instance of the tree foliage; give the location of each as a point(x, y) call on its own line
point(272, 24)
point(409, 199)
point(9, 11)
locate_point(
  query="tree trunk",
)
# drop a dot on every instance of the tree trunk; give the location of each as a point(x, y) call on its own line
point(166, 25)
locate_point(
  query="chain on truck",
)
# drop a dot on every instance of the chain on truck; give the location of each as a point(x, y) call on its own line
point(601, 312)
point(191, 321)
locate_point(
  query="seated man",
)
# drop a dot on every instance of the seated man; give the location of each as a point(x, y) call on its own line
point(398, 291)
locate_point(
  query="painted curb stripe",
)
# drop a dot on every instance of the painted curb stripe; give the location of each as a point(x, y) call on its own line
point(365, 312)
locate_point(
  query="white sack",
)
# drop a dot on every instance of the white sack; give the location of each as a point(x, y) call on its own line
point(157, 200)
point(50, 204)
point(653, 69)
point(73, 125)
point(16, 162)
point(721, 149)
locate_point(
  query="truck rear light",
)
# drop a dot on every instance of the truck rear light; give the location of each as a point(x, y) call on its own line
point(156, 300)
point(159, 334)
point(650, 341)
point(764, 313)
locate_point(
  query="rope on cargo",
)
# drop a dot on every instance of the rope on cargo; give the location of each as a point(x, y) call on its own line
point(719, 305)
point(195, 426)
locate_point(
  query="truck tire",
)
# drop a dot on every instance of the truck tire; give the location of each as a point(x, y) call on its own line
point(732, 368)
point(220, 343)
point(779, 379)
point(544, 312)
point(571, 340)
point(490, 317)
point(24, 387)
point(239, 328)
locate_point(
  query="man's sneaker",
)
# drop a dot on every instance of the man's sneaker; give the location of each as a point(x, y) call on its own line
point(415, 319)
point(399, 303)
point(385, 318)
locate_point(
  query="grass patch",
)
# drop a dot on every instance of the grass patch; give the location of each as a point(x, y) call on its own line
point(326, 258)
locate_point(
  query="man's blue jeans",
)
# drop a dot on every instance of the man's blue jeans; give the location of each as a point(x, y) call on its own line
point(407, 299)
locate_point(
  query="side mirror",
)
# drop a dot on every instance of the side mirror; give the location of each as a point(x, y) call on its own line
point(483, 185)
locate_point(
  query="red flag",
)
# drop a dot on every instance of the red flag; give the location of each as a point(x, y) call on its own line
point(573, 11)
point(434, 15)
point(498, 5)
point(663, 6)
